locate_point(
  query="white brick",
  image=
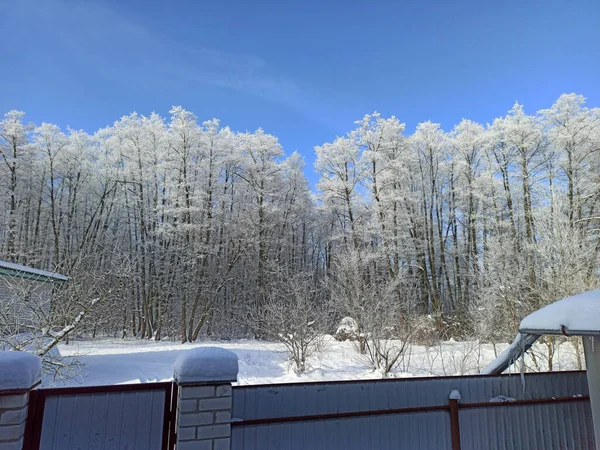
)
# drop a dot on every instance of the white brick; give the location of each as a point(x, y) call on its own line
point(222, 444)
point(13, 417)
point(214, 403)
point(214, 431)
point(194, 445)
point(186, 434)
point(223, 417)
point(14, 445)
point(10, 432)
point(188, 405)
point(13, 401)
point(224, 390)
point(196, 391)
point(193, 419)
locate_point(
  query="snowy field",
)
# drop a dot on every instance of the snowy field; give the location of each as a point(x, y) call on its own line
point(135, 361)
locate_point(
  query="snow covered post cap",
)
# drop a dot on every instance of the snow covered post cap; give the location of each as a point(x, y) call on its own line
point(455, 395)
point(206, 365)
point(19, 371)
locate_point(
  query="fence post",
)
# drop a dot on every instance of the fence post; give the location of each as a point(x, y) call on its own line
point(204, 377)
point(592, 365)
point(20, 372)
point(454, 419)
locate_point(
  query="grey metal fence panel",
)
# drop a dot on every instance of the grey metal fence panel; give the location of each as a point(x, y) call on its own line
point(423, 431)
point(131, 420)
point(259, 402)
point(566, 425)
point(549, 426)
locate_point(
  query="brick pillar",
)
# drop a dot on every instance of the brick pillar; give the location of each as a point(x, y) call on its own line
point(204, 377)
point(20, 372)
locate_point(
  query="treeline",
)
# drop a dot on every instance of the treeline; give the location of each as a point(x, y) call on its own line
point(178, 226)
point(185, 228)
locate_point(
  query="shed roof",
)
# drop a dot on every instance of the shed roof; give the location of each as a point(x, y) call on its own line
point(576, 315)
point(8, 268)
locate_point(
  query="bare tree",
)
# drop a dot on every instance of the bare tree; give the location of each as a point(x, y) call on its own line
point(295, 315)
point(383, 320)
point(27, 323)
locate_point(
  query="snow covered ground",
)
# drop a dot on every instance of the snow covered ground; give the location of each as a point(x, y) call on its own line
point(134, 361)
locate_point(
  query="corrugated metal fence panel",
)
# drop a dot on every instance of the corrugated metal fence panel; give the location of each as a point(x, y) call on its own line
point(481, 428)
point(259, 402)
point(423, 431)
point(131, 420)
point(548, 426)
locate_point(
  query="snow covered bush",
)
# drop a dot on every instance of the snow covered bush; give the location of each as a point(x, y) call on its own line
point(294, 315)
point(426, 331)
point(387, 338)
point(386, 353)
point(347, 330)
point(460, 358)
point(381, 316)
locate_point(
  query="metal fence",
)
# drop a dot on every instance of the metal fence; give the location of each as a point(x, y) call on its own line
point(541, 411)
point(132, 417)
point(538, 411)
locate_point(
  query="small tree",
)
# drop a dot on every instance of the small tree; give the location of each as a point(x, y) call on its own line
point(294, 315)
point(386, 352)
point(26, 324)
point(29, 321)
point(383, 318)
point(388, 331)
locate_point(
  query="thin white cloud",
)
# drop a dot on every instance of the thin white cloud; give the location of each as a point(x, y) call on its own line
point(94, 37)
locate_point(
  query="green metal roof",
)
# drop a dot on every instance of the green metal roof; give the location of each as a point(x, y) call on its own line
point(30, 273)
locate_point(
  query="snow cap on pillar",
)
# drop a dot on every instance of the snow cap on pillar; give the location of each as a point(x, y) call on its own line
point(206, 365)
point(19, 370)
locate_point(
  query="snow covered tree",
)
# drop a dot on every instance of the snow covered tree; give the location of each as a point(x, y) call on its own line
point(194, 223)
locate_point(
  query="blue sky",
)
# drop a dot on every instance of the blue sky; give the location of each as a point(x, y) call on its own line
point(303, 71)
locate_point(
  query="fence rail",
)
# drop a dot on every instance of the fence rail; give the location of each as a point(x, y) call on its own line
point(380, 412)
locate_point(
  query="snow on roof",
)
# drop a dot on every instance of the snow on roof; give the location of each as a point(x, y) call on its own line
point(36, 273)
point(576, 315)
point(19, 370)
